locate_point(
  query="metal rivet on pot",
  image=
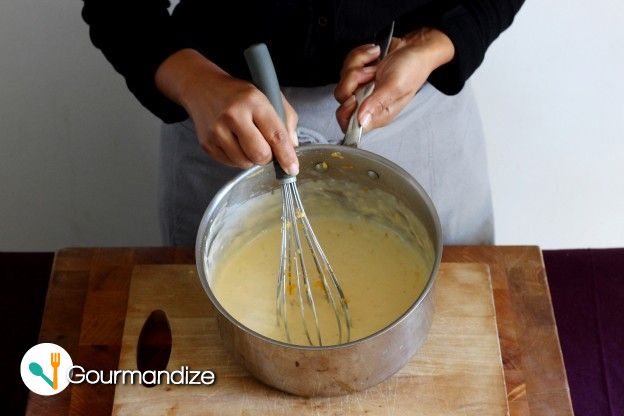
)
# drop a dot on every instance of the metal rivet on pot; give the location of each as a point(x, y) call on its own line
point(372, 174)
point(320, 167)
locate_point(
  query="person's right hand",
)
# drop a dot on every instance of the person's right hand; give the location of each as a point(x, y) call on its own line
point(235, 122)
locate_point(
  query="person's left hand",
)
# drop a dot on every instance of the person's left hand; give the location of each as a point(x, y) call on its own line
point(397, 77)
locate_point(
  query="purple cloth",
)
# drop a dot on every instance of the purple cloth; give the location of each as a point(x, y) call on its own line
point(24, 278)
point(587, 289)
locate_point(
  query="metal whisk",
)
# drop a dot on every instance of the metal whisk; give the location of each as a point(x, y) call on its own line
point(293, 267)
point(293, 274)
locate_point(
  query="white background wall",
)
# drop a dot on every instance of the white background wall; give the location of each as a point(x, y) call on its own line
point(551, 93)
point(78, 154)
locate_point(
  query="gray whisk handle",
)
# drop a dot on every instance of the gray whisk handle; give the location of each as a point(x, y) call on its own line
point(265, 79)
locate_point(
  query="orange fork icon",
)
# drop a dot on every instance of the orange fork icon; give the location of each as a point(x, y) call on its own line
point(55, 360)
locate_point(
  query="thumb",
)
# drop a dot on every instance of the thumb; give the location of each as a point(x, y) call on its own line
point(292, 130)
point(292, 119)
point(376, 109)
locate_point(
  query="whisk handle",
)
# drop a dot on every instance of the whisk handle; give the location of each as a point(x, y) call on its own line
point(265, 79)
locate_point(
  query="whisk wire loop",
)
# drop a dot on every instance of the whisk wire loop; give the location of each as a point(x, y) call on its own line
point(293, 272)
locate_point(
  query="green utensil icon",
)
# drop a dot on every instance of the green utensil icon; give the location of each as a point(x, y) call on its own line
point(38, 371)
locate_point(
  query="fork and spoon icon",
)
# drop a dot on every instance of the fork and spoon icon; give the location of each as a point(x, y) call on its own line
point(55, 361)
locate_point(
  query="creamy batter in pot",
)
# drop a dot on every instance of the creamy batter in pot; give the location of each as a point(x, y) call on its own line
point(382, 270)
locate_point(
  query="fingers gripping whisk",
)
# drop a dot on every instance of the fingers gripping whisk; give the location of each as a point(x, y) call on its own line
point(308, 291)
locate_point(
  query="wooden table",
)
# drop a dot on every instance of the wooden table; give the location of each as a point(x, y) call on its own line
point(88, 292)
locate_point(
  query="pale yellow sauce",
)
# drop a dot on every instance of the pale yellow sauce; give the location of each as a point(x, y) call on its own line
point(381, 274)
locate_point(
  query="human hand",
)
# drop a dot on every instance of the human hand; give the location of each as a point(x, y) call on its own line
point(235, 122)
point(397, 77)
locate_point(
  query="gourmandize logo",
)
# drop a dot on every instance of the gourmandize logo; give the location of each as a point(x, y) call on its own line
point(55, 361)
point(48, 369)
point(44, 369)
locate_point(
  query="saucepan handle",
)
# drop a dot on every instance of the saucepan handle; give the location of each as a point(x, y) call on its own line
point(265, 79)
point(353, 136)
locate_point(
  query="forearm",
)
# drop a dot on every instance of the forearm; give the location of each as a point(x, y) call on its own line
point(434, 46)
point(180, 76)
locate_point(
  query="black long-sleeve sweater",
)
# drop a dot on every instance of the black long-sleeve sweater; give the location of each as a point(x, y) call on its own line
point(308, 39)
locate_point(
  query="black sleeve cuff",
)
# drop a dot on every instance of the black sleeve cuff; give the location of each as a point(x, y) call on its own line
point(459, 25)
point(141, 81)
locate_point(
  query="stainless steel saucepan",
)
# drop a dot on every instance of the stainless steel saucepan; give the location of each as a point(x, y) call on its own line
point(341, 178)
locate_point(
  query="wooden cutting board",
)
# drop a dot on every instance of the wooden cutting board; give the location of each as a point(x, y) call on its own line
point(457, 372)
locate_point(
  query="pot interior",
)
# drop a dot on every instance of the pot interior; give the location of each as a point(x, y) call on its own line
point(334, 182)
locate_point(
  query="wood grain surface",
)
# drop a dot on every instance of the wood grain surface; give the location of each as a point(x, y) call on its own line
point(457, 371)
point(88, 294)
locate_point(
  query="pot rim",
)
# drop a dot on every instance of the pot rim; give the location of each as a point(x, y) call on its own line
point(211, 210)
